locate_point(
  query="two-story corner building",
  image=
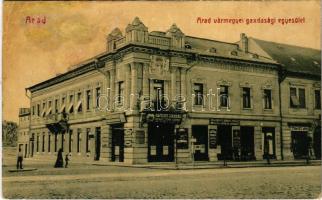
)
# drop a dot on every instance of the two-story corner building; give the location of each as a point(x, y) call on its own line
point(162, 97)
point(300, 96)
point(23, 131)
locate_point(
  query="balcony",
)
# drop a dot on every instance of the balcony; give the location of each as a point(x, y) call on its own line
point(57, 123)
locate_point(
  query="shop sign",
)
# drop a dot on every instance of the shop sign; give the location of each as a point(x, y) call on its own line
point(173, 118)
point(227, 122)
point(299, 128)
point(212, 138)
point(182, 138)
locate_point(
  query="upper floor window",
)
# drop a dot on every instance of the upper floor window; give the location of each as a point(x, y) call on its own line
point(33, 110)
point(198, 91)
point(317, 97)
point(246, 98)
point(49, 107)
point(56, 105)
point(71, 104)
point(98, 94)
point(267, 99)
point(79, 106)
point(297, 97)
point(223, 94)
point(38, 110)
point(88, 99)
point(120, 92)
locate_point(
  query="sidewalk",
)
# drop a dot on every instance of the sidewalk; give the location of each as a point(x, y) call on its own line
point(211, 165)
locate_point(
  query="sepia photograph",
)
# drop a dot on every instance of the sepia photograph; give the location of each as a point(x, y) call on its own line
point(161, 100)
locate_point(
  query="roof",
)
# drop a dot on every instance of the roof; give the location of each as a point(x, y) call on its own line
point(223, 49)
point(293, 58)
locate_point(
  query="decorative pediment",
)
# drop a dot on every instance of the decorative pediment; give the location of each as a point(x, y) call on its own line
point(159, 65)
point(115, 34)
point(136, 25)
point(245, 84)
point(224, 82)
point(175, 31)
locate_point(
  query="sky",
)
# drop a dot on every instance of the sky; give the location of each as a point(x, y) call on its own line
point(76, 31)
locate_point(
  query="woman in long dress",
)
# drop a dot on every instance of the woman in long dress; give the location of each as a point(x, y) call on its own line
point(59, 162)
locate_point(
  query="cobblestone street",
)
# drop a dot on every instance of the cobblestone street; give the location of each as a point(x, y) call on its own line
point(89, 181)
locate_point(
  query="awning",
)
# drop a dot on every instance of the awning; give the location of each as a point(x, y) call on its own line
point(49, 111)
point(70, 107)
point(43, 113)
point(78, 104)
point(62, 108)
point(295, 101)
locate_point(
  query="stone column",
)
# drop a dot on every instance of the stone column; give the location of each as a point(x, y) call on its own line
point(173, 83)
point(127, 89)
point(145, 85)
point(134, 79)
point(112, 90)
point(258, 147)
point(183, 82)
point(107, 101)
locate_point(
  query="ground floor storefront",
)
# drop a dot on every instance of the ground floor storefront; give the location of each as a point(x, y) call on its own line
point(173, 138)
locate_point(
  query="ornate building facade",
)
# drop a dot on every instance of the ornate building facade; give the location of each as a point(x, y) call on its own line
point(168, 97)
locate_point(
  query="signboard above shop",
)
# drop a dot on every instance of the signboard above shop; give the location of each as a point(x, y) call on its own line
point(172, 118)
point(226, 122)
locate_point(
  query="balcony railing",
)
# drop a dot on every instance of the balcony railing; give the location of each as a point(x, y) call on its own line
point(157, 40)
point(56, 117)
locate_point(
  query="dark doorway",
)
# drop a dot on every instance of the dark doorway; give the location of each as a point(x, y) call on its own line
point(299, 144)
point(160, 142)
point(269, 143)
point(317, 142)
point(200, 133)
point(247, 143)
point(225, 142)
point(97, 143)
point(118, 143)
point(26, 150)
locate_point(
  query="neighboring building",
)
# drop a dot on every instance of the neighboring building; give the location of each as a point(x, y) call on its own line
point(23, 131)
point(152, 95)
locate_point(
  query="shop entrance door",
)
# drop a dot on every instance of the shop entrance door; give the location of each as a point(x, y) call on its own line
point(225, 142)
point(200, 133)
point(247, 143)
point(160, 142)
point(317, 142)
point(269, 143)
point(26, 150)
point(118, 143)
point(299, 144)
point(97, 143)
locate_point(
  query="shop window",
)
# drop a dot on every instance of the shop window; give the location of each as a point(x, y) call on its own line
point(88, 131)
point(49, 137)
point(297, 97)
point(55, 142)
point(198, 92)
point(88, 99)
point(246, 98)
point(317, 97)
point(223, 93)
point(37, 143)
point(43, 142)
point(267, 99)
point(79, 135)
point(70, 141)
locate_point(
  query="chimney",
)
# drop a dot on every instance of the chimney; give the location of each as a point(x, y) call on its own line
point(244, 42)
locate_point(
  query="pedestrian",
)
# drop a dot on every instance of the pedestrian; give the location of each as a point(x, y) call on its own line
point(19, 159)
point(60, 161)
point(66, 160)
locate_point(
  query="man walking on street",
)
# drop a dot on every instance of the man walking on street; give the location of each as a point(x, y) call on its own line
point(19, 160)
